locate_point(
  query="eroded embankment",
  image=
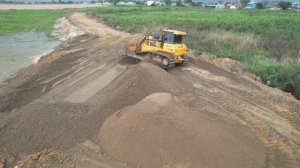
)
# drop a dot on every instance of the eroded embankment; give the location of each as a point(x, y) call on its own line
point(90, 107)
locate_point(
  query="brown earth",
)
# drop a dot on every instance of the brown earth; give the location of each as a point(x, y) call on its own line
point(161, 130)
point(51, 113)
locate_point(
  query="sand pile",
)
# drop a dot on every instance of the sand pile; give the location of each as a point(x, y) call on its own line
point(160, 131)
point(64, 30)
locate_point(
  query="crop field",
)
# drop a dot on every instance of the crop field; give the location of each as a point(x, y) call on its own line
point(265, 42)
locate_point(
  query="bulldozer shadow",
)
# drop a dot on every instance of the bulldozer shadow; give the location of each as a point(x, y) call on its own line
point(128, 61)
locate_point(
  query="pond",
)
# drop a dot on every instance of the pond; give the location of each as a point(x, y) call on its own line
point(23, 49)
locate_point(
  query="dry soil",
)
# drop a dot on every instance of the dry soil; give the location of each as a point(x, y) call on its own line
point(85, 105)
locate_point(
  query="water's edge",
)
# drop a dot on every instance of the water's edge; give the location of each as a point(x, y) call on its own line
point(23, 49)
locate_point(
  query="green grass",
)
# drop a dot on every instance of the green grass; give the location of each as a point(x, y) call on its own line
point(267, 43)
point(260, 22)
point(15, 21)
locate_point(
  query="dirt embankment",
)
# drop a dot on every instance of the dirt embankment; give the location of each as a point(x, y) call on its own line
point(84, 105)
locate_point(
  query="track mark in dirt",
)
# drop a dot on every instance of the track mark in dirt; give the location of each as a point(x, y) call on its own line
point(95, 86)
point(86, 75)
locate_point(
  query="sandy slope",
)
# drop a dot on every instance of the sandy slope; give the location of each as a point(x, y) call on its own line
point(61, 103)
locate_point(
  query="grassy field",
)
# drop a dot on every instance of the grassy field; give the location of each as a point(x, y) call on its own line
point(267, 43)
point(14, 21)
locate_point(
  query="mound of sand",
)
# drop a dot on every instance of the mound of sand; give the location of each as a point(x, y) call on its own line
point(64, 30)
point(160, 131)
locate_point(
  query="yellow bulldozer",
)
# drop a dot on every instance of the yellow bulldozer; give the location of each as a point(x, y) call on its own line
point(168, 50)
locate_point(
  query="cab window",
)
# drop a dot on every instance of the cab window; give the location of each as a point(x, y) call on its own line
point(168, 37)
point(177, 39)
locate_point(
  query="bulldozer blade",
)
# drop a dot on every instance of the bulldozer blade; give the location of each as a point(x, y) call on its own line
point(134, 56)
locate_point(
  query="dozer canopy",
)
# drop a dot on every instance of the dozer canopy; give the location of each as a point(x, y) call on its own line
point(173, 37)
point(175, 32)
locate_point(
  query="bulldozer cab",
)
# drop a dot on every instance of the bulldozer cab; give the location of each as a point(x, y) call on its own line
point(173, 36)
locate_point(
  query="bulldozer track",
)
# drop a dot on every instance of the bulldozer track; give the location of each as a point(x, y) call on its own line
point(170, 58)
point(186, 60)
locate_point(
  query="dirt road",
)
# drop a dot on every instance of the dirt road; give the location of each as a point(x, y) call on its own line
point(84, 105)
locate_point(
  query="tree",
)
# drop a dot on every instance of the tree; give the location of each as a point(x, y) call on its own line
point(168, 2)
point(188, 2)
point(179, 3)
point(285, 5)
point(115, 1)
point(260, 6)
point(244, 2)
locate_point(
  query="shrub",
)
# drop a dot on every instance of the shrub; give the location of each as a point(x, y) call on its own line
point(262, 66)
point(288, 79)
point(168, 2)
point(284, 77)
point(115, 1)
point(244, 2)
point(190, 2)
point(260, 6)
point(284, 5)
point(179, 3)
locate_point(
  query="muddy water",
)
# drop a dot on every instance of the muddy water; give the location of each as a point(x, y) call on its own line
point(23, 49)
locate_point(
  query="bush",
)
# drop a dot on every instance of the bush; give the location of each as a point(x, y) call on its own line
point(244, 2)
point(284, 5)
point(179, 3)
point(262, 66)
point(115, 1)
point(260, 6)
point(288, 79)
point(168, 2)
point(284, 77)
